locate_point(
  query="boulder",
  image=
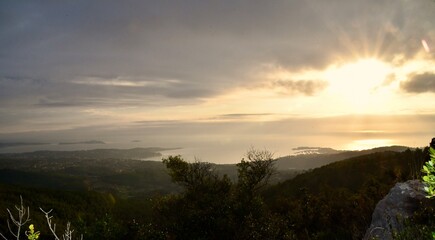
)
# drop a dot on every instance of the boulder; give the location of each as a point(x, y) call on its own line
point(400, 203)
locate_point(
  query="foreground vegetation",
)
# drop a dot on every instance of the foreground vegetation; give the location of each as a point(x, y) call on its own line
point(332, 202)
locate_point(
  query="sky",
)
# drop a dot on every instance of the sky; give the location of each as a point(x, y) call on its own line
point(217, 77)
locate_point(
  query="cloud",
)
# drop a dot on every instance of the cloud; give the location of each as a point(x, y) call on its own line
point(193, 41)
point(242, 116)
point(389, 79)
point(237, 115)
point(305, 87)
point(98, 91)
point(420, 83)
point(155, 54)
point(82, 142)
point(44, 102)
point(125, 82)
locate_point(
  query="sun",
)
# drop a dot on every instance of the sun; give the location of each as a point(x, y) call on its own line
point(361, 76)
point(359, 82)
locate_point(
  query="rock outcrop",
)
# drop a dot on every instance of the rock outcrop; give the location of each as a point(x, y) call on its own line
point(400, 203)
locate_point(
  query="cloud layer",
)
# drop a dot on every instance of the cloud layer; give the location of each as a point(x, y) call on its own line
point(207, 46)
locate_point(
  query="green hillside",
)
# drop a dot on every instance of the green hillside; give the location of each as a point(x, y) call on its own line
point(121, 199)
point(315, 160)
point(115, 171)
point(336, 201)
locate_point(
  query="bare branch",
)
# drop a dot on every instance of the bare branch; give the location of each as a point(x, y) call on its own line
point(67, 235)
point(21, 221)
point(9, 226)
point(50, 225)
point(1, 235)
point(24, 217)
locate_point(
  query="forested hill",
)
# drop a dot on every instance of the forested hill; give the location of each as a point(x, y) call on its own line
point(336, 201)
point(103, 170)
point(315, 160)
point(112, 170)
point(133, 153)
point(127, 196)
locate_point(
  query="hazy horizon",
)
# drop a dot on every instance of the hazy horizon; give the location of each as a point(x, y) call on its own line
point(228, 142)
point(216, 77)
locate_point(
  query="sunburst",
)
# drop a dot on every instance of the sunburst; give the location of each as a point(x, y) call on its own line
point(357, 83)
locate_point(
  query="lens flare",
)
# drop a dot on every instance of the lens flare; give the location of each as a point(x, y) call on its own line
point(425, 45)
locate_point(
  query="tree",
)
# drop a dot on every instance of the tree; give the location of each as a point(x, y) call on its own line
point(250, 211)
point(212, 206)
point(201, 211)
point(192, 176)
point(429, 170)
point(255, 172)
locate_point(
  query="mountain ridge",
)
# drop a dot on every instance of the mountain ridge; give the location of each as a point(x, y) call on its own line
point(314, 160)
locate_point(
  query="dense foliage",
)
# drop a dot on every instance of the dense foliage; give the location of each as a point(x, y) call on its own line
point(332, 202)
point(336, 201)
point(429, 170)
point(214, 207)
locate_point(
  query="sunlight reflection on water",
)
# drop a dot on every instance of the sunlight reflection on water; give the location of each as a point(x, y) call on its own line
point(368, 143)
